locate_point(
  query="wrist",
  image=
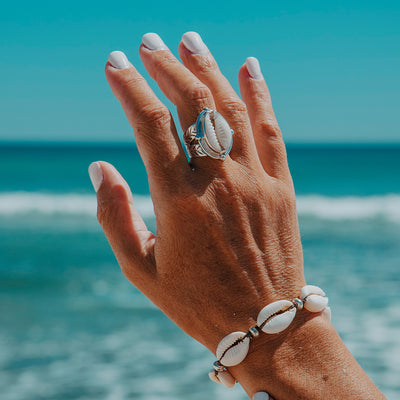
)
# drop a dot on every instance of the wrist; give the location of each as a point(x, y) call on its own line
point(307, 361)
point(274, 360)
point(272, 319)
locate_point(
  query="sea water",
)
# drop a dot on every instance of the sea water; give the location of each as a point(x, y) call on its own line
point(71, 326)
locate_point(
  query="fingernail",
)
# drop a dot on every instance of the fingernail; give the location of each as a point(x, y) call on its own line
point(261, 396)
point(194, 43)
point(153, 42)
point(253, 68)
point(96, 175)
point(118, 60)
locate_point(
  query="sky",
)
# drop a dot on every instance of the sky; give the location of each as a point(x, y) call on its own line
point(332, 66)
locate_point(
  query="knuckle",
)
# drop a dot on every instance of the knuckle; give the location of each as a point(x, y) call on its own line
point(197, 94)
point(156, 116)
point(130, 83)
point(234, 106)
point(272, 134)
point(221, 187)
point(206, 65)
point(270, 128)
point(164, 64)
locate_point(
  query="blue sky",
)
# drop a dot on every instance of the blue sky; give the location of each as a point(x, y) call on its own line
point(332, 67)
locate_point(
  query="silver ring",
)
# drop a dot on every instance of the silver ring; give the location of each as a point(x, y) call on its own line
point(209, 136)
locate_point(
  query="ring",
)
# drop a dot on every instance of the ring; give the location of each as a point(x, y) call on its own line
point(209, 136)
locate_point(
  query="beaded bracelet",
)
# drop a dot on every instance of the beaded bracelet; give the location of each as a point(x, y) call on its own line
point(273, 318)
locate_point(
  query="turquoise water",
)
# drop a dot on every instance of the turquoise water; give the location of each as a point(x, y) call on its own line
point(71, 327)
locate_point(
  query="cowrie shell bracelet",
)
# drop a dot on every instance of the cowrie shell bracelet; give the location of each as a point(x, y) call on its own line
point(273, 318)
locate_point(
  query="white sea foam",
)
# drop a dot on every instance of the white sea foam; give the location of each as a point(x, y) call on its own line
point(13, 203)
point(324, 207)
point(350, 207)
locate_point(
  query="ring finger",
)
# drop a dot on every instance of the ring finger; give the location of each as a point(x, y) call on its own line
point(186, 91)
point(198, 59)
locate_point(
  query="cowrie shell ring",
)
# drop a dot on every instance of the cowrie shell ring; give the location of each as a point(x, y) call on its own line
point(209, 136)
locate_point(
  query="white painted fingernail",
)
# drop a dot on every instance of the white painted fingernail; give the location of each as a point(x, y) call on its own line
point(153, 42)
point(194, 43)
point(96, 175)
point(261, 396)
point(118, 60)
point(253, 68)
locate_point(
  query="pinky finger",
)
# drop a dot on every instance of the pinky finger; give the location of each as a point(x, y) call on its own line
point(267, 135)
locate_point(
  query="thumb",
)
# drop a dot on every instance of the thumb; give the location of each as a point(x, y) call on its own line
point(131, 241)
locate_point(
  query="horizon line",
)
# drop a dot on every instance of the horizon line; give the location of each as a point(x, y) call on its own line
point(132, 144)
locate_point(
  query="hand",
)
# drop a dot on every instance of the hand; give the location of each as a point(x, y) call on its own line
point(227, 240)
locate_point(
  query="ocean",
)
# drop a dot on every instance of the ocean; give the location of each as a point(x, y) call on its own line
point(71, 326)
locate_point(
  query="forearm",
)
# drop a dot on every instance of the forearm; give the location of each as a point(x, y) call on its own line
point(307, 361)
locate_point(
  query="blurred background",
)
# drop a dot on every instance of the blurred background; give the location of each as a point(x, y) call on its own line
point(71, 327)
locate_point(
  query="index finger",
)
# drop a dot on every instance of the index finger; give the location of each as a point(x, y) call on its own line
point(155, 133)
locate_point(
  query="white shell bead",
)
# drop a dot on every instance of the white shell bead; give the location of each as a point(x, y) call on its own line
point(226, 379)
point(314, 298)
point(233, 349)
point(315, 303)
point(327, 314)
point(213, 376)
point(311, 289)
point(276, 323)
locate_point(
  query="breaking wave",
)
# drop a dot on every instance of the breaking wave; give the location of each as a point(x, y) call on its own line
point(318, 206)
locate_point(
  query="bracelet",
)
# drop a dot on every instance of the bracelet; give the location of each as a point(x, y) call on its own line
point(273, 318)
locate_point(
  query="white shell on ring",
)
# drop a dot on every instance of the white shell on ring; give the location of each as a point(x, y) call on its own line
point(226, 379)
point(285, 312)
point(233, 349)
point(217, 132)
point(213, 376)
point(311, 289)
point(223, 131)
point(210, 133)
